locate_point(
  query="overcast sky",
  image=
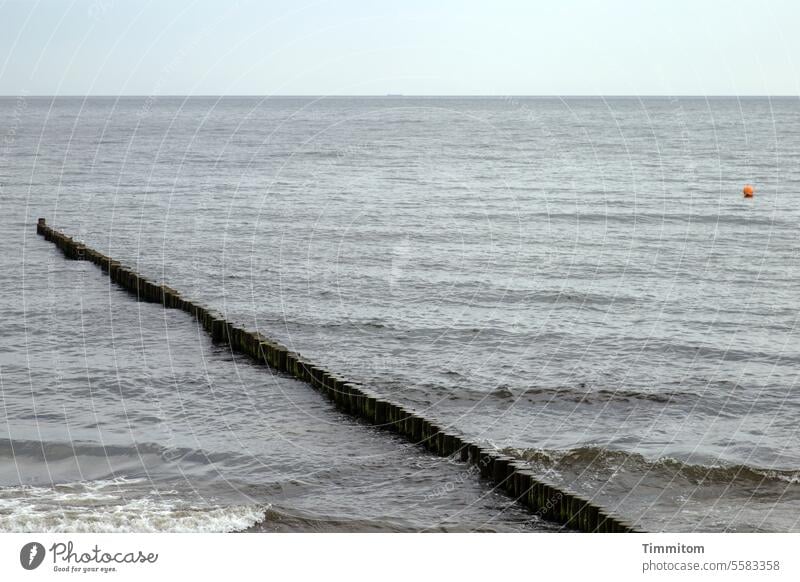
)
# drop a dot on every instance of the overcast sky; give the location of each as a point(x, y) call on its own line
point(571, 47)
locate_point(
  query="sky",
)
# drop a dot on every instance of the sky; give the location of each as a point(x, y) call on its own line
point(410, 47)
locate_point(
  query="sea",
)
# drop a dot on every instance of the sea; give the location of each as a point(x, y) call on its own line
point(576, 282)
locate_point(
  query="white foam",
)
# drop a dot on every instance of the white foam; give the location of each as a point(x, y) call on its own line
point(224, 519)
point(101, 507)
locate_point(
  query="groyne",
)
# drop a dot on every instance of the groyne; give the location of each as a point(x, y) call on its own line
point(511, 476)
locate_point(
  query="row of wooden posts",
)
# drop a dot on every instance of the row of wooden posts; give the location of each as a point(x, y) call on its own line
point(511, 476)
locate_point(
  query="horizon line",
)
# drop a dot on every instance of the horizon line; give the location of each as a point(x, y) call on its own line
point(408, 96)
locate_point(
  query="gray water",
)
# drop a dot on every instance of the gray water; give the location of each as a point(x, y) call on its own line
point(578, 282)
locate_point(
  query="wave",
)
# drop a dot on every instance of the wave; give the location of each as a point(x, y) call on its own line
point(580, 394)
point(673, 218)
point(495, 298)
point(49, 452)
point(47, 463)
point(587, 396)
point(347, 324)
point(723, 353)
point(273, 520)
point(284, 521)
point(115, 505)
point(668, 468)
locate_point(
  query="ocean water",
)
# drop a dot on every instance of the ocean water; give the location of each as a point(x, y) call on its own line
point(577, 282)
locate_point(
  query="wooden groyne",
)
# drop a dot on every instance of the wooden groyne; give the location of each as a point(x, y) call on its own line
point(508, 475)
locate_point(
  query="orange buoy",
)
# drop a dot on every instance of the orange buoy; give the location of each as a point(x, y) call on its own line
point(748, 191)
